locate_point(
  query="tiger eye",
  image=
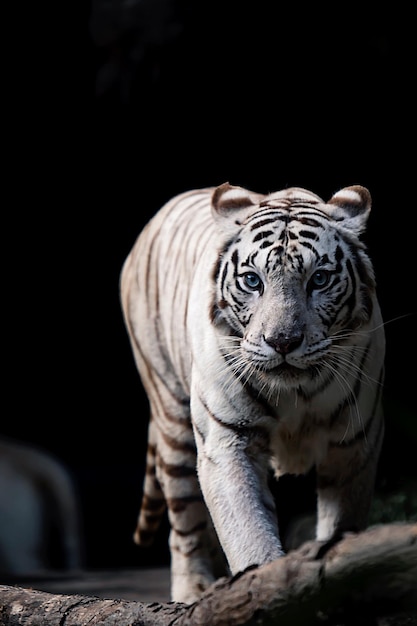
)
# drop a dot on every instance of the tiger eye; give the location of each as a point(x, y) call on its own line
point(253, 281)
point(320, 279)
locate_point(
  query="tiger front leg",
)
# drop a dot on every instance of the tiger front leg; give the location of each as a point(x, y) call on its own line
point(345, 487)
point(233, 478)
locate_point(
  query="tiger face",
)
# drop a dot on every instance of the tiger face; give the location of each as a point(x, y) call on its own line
point(293, 282)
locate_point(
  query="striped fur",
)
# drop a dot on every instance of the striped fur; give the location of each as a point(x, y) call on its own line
point(257, 333)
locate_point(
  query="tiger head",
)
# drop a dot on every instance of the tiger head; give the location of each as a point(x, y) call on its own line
point(293, 280)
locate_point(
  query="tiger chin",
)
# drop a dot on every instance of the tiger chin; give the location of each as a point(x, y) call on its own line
point(256, 330)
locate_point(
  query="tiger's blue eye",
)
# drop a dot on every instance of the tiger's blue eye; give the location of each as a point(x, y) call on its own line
point(319, 279)
point(252, 281)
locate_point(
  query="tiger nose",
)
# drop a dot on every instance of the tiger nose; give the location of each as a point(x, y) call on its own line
point(283, 343)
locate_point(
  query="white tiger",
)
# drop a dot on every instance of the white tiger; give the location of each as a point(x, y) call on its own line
point(256, 329)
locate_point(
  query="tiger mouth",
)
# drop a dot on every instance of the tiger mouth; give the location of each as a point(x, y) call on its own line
point(289, 372)
point(283, 368)
point(288, 369)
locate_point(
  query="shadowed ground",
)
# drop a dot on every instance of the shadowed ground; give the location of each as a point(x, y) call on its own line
point(144, 585)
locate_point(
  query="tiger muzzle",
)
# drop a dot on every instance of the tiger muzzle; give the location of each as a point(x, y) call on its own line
point(284, 344)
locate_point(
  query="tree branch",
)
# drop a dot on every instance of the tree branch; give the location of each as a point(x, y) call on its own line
point(368, 575)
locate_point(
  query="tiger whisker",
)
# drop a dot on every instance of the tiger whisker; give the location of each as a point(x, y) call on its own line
point(351, 334)
point(346, 386)
point(348, 363)
point(237, 369)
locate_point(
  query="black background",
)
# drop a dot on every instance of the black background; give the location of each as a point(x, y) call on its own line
point(116, 109)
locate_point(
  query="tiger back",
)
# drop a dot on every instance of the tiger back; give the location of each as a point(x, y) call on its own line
point(255, 327)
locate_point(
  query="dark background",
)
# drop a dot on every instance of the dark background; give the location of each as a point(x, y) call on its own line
point(115, 108)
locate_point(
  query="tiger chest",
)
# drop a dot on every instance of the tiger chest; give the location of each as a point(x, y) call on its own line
point(298, 441)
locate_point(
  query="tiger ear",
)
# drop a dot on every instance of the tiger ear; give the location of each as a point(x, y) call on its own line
point(351, 206)
point(231, 205)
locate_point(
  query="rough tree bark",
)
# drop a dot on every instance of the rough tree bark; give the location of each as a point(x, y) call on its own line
point(356, 581)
